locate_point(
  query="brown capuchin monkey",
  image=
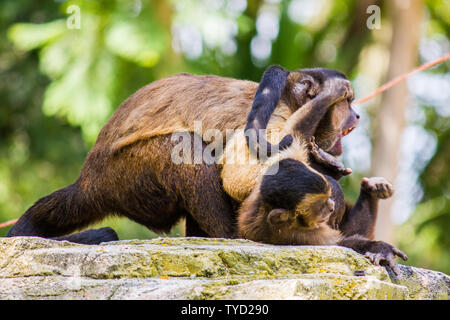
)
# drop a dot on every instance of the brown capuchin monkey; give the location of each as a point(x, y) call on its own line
point(292, 206)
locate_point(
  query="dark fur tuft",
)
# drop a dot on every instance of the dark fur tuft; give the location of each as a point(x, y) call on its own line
point(288, 186)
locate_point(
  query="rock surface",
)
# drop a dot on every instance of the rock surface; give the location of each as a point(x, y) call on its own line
point(199, 268)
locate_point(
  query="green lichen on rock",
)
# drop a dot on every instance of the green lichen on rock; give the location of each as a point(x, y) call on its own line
point(311, 287)
point(201, 268)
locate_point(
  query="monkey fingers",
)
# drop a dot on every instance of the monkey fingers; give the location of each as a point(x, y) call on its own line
point(379, 259)
point(374, 257)
point(399, 253)
point(382, 254)
point(378, 187)
point(326, 159)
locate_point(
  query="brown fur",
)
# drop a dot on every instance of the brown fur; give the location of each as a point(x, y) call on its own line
point(173, 104)
point(239, 179)
point(150, 190)
point(220, 103)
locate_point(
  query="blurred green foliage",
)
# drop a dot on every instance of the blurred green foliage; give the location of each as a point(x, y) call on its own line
point(59, 84)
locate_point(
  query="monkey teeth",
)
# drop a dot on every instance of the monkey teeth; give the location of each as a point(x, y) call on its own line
point(346, 132)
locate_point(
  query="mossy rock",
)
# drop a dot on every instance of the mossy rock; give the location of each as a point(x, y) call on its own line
point(201, 268)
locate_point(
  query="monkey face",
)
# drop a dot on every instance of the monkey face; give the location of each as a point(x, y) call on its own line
point(312, 211)
point(315, 209)
point(296, 196)
point(303, 85)
point(338, 122)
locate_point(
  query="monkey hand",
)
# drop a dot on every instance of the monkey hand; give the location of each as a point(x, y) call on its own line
point(326, 159)
point(337, 90)
point(378, 187)
point(381, 253)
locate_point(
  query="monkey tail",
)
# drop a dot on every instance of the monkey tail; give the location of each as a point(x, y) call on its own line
point(59, 213)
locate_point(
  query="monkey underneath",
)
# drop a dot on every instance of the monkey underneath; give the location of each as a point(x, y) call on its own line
point(290, 207)
point(295, 204)
point(293, 207)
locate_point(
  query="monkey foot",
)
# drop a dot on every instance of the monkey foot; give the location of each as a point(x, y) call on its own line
point(378, 187)
point(327, 159)
point(382, 254)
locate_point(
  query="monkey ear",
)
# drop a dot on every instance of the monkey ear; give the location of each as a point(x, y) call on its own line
point(302, 89)
point(278, 216)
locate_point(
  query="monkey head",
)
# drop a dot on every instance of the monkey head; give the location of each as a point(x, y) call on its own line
point(303, 85)
point(296, 197)
point(296, 88)
point(338, 122)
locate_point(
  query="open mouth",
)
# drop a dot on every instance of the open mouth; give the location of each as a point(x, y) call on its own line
point(336, 149)
point(347, 131)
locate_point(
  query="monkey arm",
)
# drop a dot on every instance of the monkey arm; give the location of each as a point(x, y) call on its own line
point(378, 252)
point(303, 123)
point(361, 218)
point(266, 99)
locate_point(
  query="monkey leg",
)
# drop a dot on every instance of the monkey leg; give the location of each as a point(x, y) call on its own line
point(361, 218)
point(157, 181)
point(193, 229)
point(60, 213)
point(197, 188)
point(141, 183)
point(92, 236)
point(209, 208)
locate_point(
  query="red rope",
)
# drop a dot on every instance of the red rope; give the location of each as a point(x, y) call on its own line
point(8, 223)
point(401, 78)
